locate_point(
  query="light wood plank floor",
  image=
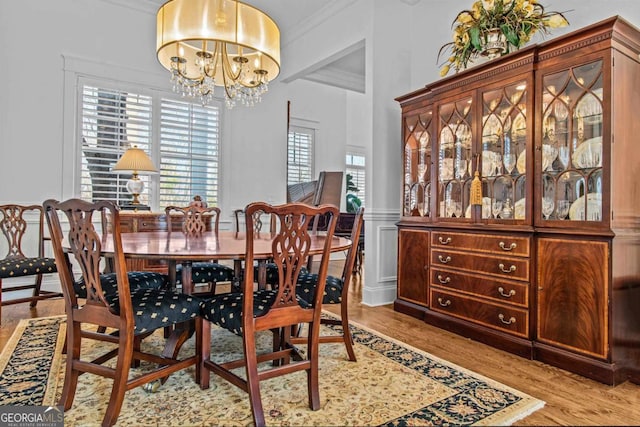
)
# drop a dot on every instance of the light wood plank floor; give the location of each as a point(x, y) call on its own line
point(570, 399)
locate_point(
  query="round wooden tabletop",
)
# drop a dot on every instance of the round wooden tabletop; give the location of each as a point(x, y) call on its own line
point(223, 245)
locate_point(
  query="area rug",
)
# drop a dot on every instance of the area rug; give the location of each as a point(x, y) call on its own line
point(391, 384)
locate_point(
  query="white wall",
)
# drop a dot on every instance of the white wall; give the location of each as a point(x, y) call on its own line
point(36, 141)
point(401, 43)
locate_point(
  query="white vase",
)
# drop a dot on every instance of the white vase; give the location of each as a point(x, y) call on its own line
point(495, 43)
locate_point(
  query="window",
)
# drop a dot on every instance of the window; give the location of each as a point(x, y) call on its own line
point(300, 154)
point(355, 167)
point(189, 153)
point(112, 120)
point(188, 145)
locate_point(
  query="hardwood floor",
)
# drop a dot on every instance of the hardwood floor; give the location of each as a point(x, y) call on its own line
point(570, 399)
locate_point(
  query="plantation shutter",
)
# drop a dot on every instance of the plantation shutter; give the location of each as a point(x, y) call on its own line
point(112, 121)
point(300, 154)
point(189, 152)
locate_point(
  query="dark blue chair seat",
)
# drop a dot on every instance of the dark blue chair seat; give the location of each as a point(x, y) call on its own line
point(207, 272)
point(154, 309)
point(137, 280)
point(332, 290)
point(17, 267)
point(223, 309)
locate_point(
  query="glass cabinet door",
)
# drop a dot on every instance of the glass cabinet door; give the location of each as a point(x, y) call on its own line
point(572, 151)
point(417, 164)
point(454, 155)
point(503, 157)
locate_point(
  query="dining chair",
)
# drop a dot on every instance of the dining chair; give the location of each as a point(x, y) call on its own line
point(134, 314)
point(194, 222)
point(336, 291)
point(269, 269)
point(14, 222)
point(249, 312)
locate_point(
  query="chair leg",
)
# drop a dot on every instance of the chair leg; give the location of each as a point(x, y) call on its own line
point(71, 376)
point(36, 290)
point(205, 353)
point(125, 358)
point(346, 332)
point(199, 338)
point(313, 389)
point(253, 383)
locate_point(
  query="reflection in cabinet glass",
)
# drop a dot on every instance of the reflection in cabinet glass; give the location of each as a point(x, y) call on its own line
point(572, 143)
point(504, 151)
point(417, 165)
point(454, 157)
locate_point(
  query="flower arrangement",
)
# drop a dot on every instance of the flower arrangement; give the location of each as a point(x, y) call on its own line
point(516, 20)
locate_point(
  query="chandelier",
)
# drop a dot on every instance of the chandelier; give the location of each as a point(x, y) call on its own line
point(225, 43)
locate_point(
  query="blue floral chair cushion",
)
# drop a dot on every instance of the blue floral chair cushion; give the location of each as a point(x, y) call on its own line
point(155, 308)
point(225, 310)
point(332, 290)
point(18, 267)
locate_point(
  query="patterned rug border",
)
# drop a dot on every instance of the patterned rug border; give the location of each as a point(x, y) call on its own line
point(528, 404)
point(391, 350)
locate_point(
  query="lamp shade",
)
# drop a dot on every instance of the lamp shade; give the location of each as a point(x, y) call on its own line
point(184, 27)
point(135, 160)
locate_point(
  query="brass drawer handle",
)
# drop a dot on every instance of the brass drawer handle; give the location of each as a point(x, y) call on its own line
point(506, 322)
point(511, 293)
point(444, 303)
point(443, 241)
point(510, 270)
point(511, 247)
point(444, 260)
point(445, 280)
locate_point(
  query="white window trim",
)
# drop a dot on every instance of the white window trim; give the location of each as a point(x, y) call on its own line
point(78, 71)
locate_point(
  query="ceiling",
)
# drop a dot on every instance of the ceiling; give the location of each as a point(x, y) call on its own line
point(345, 69)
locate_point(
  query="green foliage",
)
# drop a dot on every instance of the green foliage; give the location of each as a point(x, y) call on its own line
point(353, 202)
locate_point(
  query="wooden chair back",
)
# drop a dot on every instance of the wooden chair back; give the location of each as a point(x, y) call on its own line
point(14, 227)
point(290, 250)
point(84, 243)
point(352, 253)
point(195, 219)
point(19, 261)
point(258, 223)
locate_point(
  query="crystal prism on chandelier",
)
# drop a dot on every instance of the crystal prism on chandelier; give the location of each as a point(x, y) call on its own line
point(224, 43)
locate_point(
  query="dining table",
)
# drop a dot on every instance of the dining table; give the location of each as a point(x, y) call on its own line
point(177, 247)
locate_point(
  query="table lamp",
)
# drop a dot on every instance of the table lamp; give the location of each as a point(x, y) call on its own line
point(133, 161)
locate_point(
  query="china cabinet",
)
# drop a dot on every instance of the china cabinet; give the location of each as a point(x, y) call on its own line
point(546, 263)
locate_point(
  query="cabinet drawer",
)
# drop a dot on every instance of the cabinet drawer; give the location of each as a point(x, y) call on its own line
point(136, 264)
point(510, 245)
point(157, 223)
point(506, 292)
point(495, 316)
point(503, 267)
